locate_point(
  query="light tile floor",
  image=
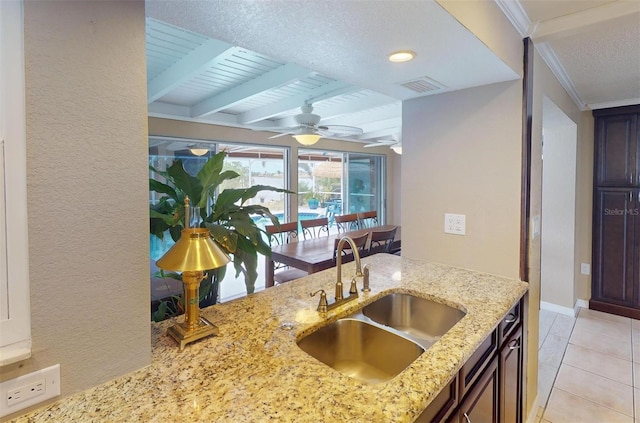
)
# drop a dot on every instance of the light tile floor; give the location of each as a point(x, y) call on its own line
point(589, 368)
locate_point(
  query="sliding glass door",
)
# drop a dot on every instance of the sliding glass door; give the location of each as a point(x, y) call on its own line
point(334, 183)
point(364, 180)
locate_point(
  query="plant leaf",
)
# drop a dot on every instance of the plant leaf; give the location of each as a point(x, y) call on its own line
point(157, 186)
point(189, 185)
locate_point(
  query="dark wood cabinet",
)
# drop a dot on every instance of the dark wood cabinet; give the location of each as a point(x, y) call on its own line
point(615, 286)
point(617, 149)
point(488, 388)
point(511, 380)
point(481, 404)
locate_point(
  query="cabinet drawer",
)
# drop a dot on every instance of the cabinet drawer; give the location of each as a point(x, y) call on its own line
point(443, 404)
point(476, 364)
point(509, 323)
point(482, 402)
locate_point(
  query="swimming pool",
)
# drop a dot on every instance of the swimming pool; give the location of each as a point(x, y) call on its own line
point(262, 221)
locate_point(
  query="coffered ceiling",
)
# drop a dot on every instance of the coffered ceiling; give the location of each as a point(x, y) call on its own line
point(253, 64)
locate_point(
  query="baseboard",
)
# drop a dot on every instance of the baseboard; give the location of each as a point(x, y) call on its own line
point(533, 415)
point(580, 304)
point(558, 309)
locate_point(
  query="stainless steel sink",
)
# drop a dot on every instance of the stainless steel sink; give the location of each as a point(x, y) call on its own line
point(423, 320)
point(361, 350)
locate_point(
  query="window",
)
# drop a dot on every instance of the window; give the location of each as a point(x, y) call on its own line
point(340, 182)
point(15, 320)
point(256, 165)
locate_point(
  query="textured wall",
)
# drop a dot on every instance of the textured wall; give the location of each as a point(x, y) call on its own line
point(462, 155)
point(87, 189)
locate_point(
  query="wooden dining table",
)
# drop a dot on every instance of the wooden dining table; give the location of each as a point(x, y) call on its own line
point(316, 254)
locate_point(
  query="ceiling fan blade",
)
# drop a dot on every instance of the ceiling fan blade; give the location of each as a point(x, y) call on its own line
point(280, 135)
point(382, 143)
point(341, 130)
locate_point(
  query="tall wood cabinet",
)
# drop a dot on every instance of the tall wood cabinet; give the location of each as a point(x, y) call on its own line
point(616, 216)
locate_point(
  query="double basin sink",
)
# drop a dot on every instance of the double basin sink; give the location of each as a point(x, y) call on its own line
point(379, 341)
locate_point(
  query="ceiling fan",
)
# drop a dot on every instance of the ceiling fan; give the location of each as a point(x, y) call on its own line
point(308, 131)
point(393, 144)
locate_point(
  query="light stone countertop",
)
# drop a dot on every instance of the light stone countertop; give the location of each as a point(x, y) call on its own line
point(255, 372)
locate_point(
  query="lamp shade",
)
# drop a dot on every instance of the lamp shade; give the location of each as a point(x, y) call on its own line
point(194, 251)
point(199, 151)
point(307, 136)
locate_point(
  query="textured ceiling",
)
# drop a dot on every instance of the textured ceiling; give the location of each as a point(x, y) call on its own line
point(254, 63)
point(611, 51)
point(542, 10)
point(592, 46)
point(340, 46)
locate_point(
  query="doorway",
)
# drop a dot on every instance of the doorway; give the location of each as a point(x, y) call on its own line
point(559, 154)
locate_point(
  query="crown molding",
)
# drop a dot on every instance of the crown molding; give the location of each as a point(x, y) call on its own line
point(618, 103)
point(552, 61)
point(516, 14)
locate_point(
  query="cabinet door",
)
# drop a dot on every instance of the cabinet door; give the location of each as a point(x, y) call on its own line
point(481, 403)
point(442, 405)
point(510, 371)
point(636, 247)
point(616, 150)
point(613, 246)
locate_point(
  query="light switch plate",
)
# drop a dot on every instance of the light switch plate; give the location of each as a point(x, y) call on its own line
point(535, 228)
point(455, 224)
point(585, 268)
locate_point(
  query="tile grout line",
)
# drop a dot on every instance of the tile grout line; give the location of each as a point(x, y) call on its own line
point(594, 403)
point(633, 382)
point(561, 360)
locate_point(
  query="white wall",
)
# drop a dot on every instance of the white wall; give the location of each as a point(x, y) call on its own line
point(87, 190)
point(558, 207)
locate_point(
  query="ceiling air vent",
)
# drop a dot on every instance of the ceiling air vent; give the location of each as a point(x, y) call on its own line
point(423, 85)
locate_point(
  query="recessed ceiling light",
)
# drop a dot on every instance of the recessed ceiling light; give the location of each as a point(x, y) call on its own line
point(402, 56)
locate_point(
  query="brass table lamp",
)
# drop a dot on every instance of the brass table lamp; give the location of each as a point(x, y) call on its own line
point(194, 253)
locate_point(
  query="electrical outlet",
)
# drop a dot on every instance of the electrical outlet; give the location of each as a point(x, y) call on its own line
point(454, 224)
point(30, 389)
point(26, 392)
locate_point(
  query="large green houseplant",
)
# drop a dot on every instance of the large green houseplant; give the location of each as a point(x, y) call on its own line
point(226, 214)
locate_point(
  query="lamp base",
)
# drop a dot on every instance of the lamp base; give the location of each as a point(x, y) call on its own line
point(183, 336)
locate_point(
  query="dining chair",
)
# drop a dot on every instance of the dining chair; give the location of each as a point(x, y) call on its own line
point(314, 228)
point(347, 252)
point(347, 222)
point(368, 219)
point(381, 241)
point(281, 234)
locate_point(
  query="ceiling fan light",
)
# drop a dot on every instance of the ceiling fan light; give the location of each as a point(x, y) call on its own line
point(401, 56)
point(199, 151)
point(307, 139)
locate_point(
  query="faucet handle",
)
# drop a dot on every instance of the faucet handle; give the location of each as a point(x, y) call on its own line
point(354, 289)
point(365, 278)
point(323, 304)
